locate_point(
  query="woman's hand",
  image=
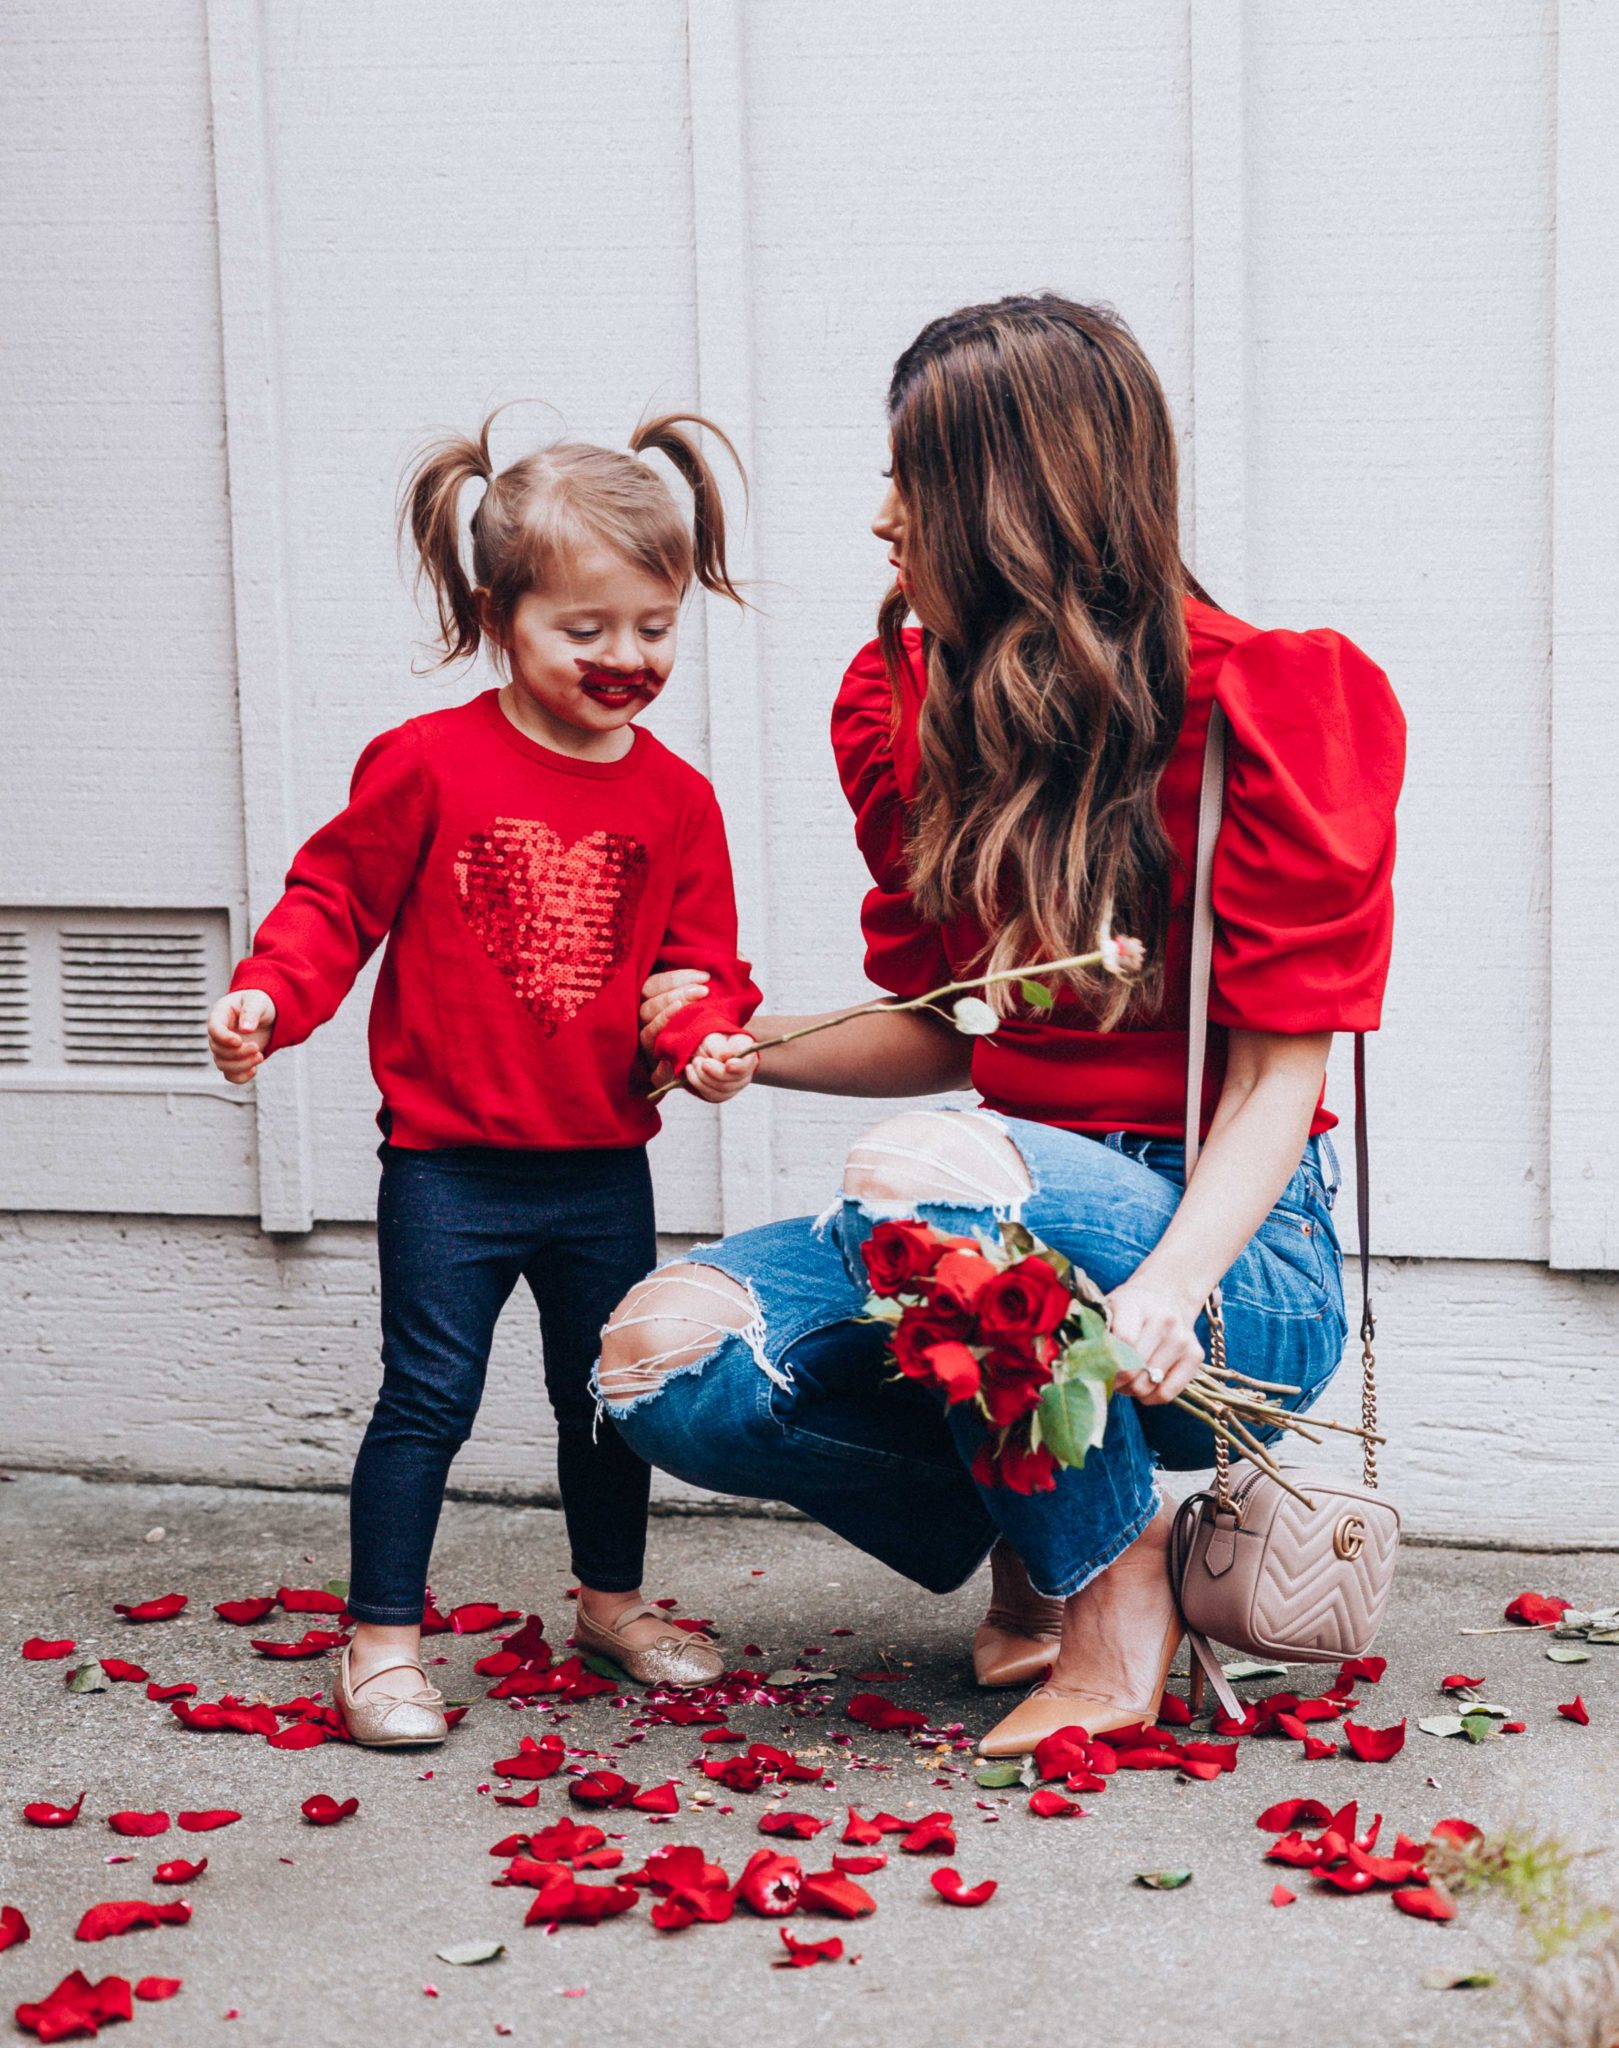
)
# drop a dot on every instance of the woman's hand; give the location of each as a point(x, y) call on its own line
point(1162, 1328)
point(239, 1027)
point(722, 1066)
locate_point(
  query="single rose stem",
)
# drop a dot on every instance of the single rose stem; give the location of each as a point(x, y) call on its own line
point(922, 1002)
point(1225, 1424)
point(1208, 1384)
point(1242, 1379)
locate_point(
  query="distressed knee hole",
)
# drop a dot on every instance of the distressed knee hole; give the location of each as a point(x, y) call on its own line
point(671, 1320)
point(931, 1155)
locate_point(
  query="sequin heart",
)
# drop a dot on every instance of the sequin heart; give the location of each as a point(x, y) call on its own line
point(556, 920)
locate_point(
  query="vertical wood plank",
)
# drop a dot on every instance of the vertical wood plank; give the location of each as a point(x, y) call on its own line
point(1585, 648)
point(1218, 543)
point(717, 82)
point(249, 314)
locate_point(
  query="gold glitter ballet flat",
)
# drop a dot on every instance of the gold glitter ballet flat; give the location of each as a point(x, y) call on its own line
point(672, 1657)
point(390, 1720)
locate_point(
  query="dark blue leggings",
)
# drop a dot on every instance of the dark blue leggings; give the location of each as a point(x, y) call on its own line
point(456, 1230)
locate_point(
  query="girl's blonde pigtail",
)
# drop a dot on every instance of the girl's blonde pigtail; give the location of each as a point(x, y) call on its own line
point(430, 510)
point(708, 507)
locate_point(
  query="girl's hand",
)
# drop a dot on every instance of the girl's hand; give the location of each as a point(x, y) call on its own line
point(239, 1027)
point(663, 994)
point(1163, 1329)
point(723, 1066)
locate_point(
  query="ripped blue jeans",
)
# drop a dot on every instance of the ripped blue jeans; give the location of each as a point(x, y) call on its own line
point(803, 1407)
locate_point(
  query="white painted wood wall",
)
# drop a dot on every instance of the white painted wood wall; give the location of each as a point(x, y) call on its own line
point(253, 252)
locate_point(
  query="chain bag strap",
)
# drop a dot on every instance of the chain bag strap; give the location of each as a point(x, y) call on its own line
point(1268, 1571)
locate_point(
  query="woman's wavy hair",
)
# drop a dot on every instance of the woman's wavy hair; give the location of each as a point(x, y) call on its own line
point(538, 513)
point(1035, 457)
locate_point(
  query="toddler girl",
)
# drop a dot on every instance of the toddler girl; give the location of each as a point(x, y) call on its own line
point(529, 857)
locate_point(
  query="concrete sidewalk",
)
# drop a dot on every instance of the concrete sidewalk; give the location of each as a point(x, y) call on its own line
point(321, 1937)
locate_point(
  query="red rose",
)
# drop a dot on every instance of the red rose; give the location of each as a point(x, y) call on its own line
point(1016, 1466)
point(955, 1370)
point(1027, 1300)
point(1013, 1381)
point(960, 1278)
point(898, 1255)
point(917, 1331)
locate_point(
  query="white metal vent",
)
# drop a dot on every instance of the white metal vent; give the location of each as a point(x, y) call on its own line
point(135, 998)
point(13, 997)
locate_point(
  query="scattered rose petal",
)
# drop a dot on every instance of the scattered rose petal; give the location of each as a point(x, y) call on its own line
point(14, 1929)
point(170, 1692)
point(309, 1600)
point(858, 1866)
point(242, 1612)
point(154, 1988)
point(321, 1810)
point(477, 1616)
point(1375, 1745)
point(542, 1759)
point(601, 1788)
point(122, 1673)
point(948, 1884)
point(1173, 1711)
point(38, 1651)
point(1427, 1902)
point(657, 1799)
point(162, 1609)
point(770, 1884)
point(1574, 1710)
point(934, 1833)
point(42, 1814)
point(584, 1904)
point(801, 1826)
point(1458, 1682)
point(314, 1643)
point(1281, 1896)
point(125, 1916)
point(1462, 1831)
point(801, 1955)
point(871, 1710)
point(211, 1817)
point(1048, 1805)
point(1536, 1610)
point(76, 2009)
point(179, 1871)
point(127, 1823)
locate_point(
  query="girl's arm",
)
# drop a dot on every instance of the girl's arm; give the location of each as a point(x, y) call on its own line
point(344, 890)
point(1272, 1085)
point(900, 1054)
point(702, 1037)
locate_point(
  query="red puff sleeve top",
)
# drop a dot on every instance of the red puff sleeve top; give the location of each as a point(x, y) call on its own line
point(1303, 875)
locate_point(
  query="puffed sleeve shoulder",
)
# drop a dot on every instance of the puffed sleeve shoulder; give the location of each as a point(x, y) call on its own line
point(1304, 864)
point(904, 952)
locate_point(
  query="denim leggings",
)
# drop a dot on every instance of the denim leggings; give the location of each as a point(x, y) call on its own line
point(456, 1230)
point(803, 1407)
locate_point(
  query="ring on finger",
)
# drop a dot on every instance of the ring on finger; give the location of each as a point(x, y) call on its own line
point(1156, 1374)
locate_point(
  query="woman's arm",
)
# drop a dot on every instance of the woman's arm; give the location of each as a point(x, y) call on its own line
point(901, 1053)
point(1272, 1084)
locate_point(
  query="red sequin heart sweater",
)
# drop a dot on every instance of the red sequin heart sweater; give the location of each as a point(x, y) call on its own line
point(524, 896)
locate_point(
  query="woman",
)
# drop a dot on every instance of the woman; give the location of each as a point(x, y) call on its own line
point(1024, 772)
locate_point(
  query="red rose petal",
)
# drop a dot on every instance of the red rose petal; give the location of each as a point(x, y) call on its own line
point(1048, 1805)
point(1535, 1610)
point(1575, 1710)
point(770, 1884)
point(171, 1692)
point(478, 1616)
point(1458, 1682)
point(14, 1929)
point(801, 1826)
point(601, 1788)
point(542, 1759)
point(829, 1891)
point(321, 1810)
point(871, 1710)
point(857, 1866)
point(41, 1813)
point(529, 1798)
point(1370, 1669)
point(162, 1609)
point(122, 1673)
point(302, 1735)
point(1462, 1831)
point(1344, 1877)
point(657, 1799)
point(1375, 1745)
point(309, 1600)
point(127, 1823)
point(179, 1871)
point(935, 1833)
point(76, 2008)
point(584, 1904)
point(802, 1954)
point(126, 1916)
point(949, 1886)
point(1316, 1747)
point(1293, 1849)
point(203, 1822)
point(314, 1643)
point(242, 1612)
point(1427, 1902)
point(1281, 1896)
point(38, 1651)
point(154, 1988)
point(1173, 1711)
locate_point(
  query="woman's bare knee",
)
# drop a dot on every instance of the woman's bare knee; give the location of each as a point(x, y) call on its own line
point(932, 1155)
point(673, 1318)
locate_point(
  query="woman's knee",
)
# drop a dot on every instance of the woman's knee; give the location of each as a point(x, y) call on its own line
point(673, 1319)
point(934, 1155)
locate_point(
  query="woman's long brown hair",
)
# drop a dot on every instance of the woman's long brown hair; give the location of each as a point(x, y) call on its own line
point(1035, 456)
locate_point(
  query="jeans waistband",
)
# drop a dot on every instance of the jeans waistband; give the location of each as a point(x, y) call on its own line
point(1318, 1164)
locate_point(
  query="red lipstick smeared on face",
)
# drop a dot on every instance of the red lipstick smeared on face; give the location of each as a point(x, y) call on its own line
point(617, 689)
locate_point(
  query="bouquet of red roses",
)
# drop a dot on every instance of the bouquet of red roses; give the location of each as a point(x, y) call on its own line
point(1008, 1323)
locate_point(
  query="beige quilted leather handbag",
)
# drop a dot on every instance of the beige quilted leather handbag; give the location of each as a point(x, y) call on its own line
point(1305, 1576)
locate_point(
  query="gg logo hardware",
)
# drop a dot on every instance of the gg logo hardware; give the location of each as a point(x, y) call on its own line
point(1349, 1538)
